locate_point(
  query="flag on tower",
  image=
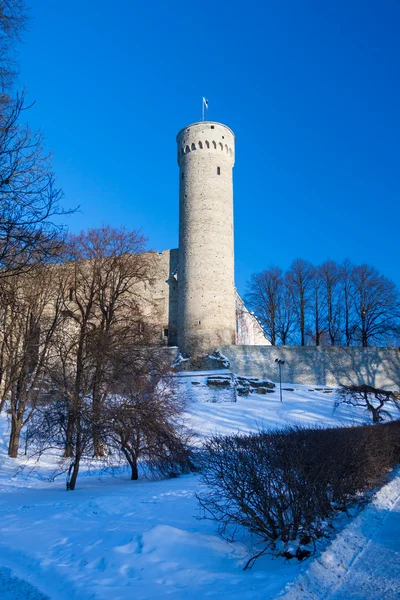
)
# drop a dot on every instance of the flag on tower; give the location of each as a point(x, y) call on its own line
point(204, 105)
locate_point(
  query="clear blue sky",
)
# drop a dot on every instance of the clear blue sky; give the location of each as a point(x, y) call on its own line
point(311, 90)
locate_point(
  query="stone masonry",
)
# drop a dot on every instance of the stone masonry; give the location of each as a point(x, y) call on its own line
point(206, 305)
point(319, 365)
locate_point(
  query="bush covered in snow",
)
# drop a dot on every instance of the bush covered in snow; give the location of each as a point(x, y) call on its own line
point(286, 486)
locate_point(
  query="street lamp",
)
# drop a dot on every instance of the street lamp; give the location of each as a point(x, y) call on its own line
point(280, 362)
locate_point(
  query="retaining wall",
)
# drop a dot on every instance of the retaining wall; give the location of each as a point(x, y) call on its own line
point(323, 365)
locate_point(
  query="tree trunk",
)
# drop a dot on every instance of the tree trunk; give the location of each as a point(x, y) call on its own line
point(134, 470)
point(347, 318)
point(75, 471)
point(302, 320)
point(78, 455)
point(98, 447)
point(16, 427)
point(69, 444)
point(375, 415)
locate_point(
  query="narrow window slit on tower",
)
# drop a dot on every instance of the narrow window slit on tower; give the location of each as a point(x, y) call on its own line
point(182, 175)
point(218, 170)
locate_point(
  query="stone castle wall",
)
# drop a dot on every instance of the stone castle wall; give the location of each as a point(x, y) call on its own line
point(323, 365)
point(158, 296)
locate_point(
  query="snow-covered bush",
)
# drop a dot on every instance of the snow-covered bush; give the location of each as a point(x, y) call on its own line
point(286, 486)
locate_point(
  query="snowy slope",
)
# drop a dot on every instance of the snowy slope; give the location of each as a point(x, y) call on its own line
point(306, 405)
point(115, 539)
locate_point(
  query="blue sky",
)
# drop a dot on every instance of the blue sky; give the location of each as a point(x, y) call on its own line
point(311, 90)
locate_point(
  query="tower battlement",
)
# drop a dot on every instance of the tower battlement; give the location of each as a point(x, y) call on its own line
point(208, 136)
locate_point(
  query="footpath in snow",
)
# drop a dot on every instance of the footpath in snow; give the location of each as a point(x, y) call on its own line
point(363, 561)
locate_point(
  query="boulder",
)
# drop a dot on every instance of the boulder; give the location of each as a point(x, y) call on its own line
point(264, 390)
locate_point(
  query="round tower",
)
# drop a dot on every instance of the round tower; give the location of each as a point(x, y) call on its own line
point(206, 305)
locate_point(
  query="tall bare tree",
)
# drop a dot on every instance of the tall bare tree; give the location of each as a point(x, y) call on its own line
point(270, 298)
point(29, 198)
point(32, 310)
point(346, 282)
point(286, 314)
point(265, 292)
point(318, 308)
point(106, 279)
point(13, 17)
point(332, 304)
point(301, 274)
point(329, 273)
point(376, 304)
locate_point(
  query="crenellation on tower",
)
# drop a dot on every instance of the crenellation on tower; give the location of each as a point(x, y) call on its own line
point(206, 135)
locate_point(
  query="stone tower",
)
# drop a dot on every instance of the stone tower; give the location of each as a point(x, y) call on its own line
point(206, 304)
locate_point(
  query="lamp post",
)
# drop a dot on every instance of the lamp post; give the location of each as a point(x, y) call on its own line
point(280, 362)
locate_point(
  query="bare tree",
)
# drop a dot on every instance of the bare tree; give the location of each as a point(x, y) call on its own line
point(32, 313)
point(286, 313)
point(13, 17)
point(300, 275)
point(270, 298)
point(140, 419)
point(346, 282)
point(376, 304)
point(318, 308)
point(265, 296)
point(329, 273)
point(29, 198)
point(102, 312)
point(108, 273)
point(331, 304)
point(373, 399)
point(143, 420)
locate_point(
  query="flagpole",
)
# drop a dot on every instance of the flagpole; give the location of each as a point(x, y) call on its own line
point(202, 108)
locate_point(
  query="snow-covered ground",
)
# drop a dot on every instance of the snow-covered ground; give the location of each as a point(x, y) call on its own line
point(115, 539)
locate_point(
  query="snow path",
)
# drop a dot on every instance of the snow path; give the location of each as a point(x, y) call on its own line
point(363, 561)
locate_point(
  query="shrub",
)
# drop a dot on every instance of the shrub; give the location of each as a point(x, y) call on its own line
point(285, 487)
